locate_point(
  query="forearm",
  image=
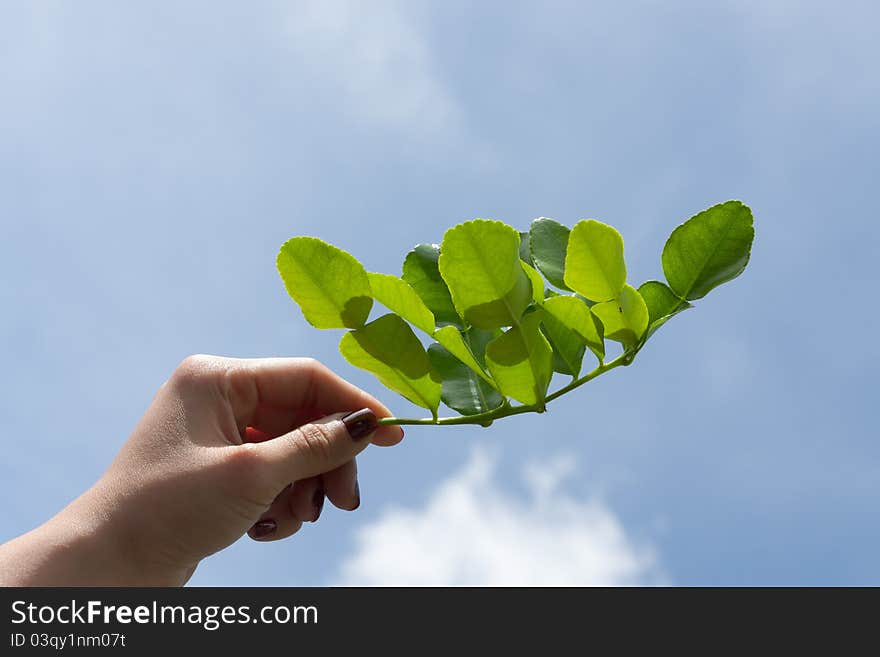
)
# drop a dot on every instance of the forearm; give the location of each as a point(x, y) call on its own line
point(78, 547)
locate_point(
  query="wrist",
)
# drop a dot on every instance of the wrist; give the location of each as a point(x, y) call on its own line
point(108, 545)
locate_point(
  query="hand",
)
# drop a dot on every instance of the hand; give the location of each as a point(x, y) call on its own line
point(227, 446)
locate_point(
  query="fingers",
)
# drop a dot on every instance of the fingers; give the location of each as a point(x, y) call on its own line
point(307, 499)
point(341, 486)
point(284, 392)
point(276, 421)
point(313, 448)
point(304, 500)
point(277, 522)
point(294, 385)
point(273, 422)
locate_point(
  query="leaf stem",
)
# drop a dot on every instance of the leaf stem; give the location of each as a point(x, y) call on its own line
point(506, 410)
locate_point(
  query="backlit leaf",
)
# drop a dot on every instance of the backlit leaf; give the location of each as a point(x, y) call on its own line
point(479, 260)
point(535, 281)
point(388, 348)
point(486, 295)
point(662, 304)
point(594, 265)
point(625, 319)
point(477, 339)
point(548, 242)
point(572, 313)
point(398, 296)
point(660, 300)
point(521, 361)
point(708, 249)
point(421, 272)
point(451, 338)
point(568, 348)
point(524, 252)
point(330, 285)
point(462, 390)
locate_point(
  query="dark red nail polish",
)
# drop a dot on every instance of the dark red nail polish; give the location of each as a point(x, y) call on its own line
point(263, 528)
point(318, 503)
point(357, 495)
point(360, 424)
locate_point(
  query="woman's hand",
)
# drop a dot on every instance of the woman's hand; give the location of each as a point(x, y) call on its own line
point(228, 446)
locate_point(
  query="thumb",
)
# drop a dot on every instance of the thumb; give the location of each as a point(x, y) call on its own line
point(319, 446)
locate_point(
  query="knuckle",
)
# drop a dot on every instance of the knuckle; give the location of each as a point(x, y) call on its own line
point(313, 368)
point(197, 367)
point(310, 363)
point(244, 463)
point(240, 388)
point(315, 441)
point(315, 375)
point(248, 477)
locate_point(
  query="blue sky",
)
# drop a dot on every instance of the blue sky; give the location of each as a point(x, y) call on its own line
point(153, 158)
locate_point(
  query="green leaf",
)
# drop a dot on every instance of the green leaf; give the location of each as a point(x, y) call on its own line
point(548, 242)
point(330, 285)
point(660, 300)
point(388, 348)
point(524, 251)
point(594, 264)
point(626, 318)
point(477, 339)
point(450, 337)
point(572, 314)
point(420, 270)
point(662, 304)
point(708, 249)
point(479, 260)
point(536, 282)
point(521, 361)
point(398, 296)
point(462, 390)
point(568, 348)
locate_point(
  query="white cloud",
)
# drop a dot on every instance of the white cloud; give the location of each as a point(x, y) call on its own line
point(378, 58)
point(471, 532)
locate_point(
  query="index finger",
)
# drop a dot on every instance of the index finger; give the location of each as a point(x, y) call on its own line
point(303, 383)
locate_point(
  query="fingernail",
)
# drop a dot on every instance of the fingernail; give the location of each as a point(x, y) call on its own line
point(263, 528)
point(318, 503)
point(360, 424)
point(357, 495)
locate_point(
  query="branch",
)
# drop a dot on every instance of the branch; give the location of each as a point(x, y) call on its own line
point(505, 410)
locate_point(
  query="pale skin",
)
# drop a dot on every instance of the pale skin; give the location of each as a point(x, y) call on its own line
point(228, 447)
